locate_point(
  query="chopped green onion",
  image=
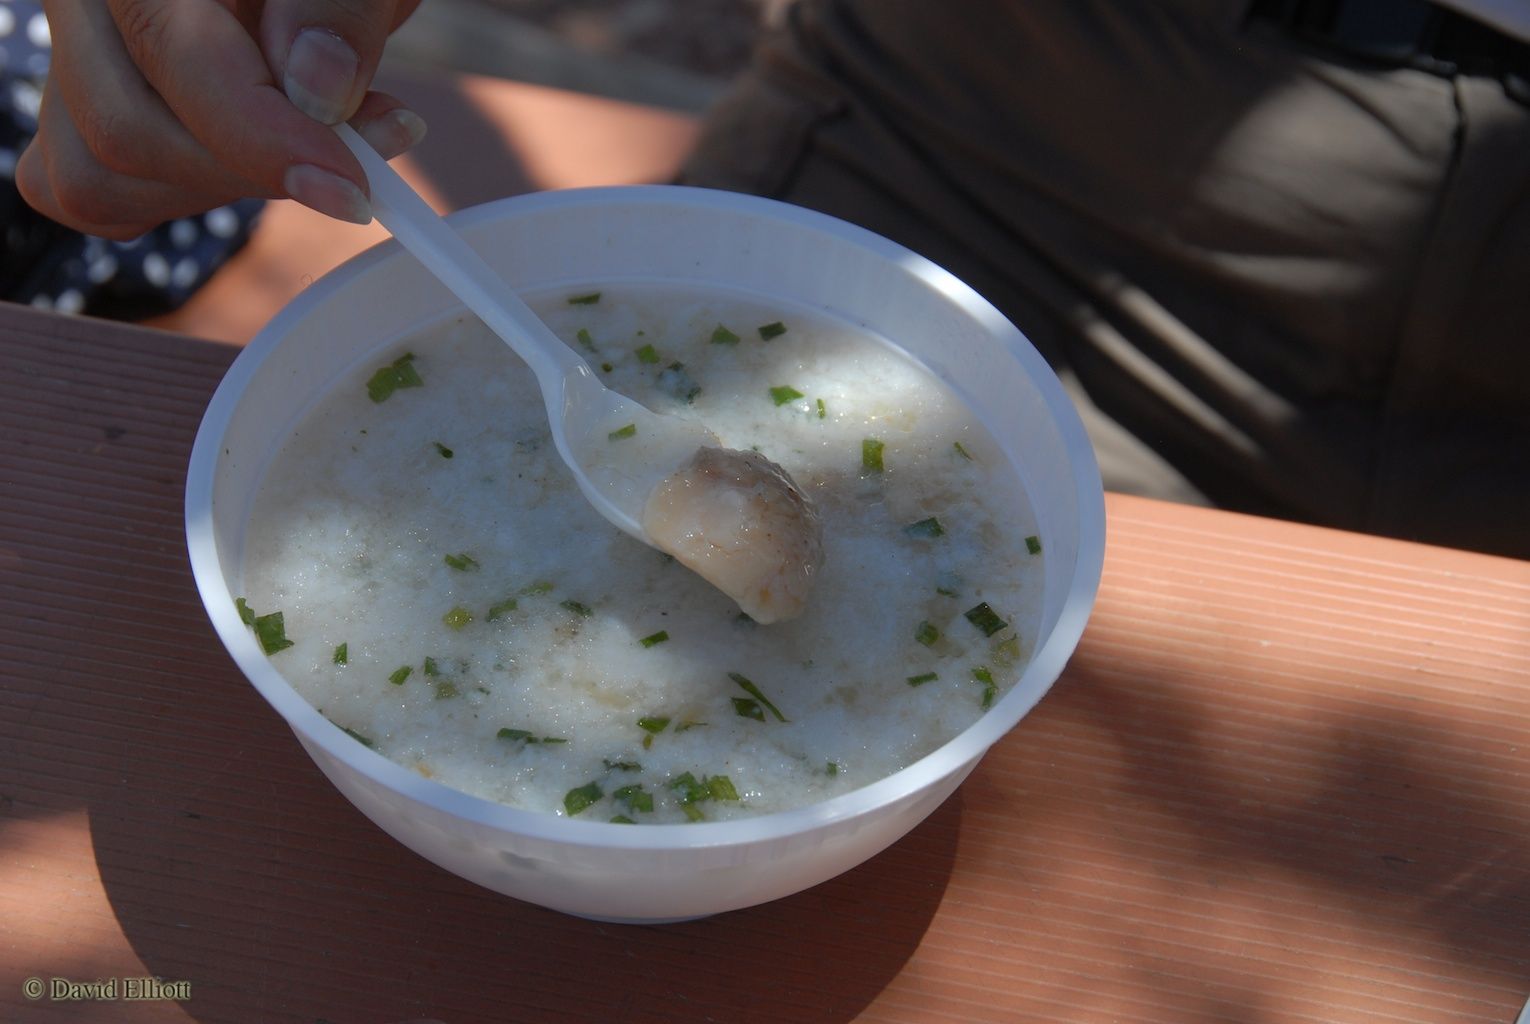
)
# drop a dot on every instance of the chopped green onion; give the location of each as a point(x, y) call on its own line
point(925, 528)
point(1007, 652)
point(832, 767)
point(578, 608)
point(606, 367)
point(398, 675)
point(447, 690)
point(398, 374)
point(871, 455)
point(990, 688)
point(746, 707)
point(720, 787)
point(462, 563)
point(622, 432)
point(647, 354)
point(652, 723)
point(523, 736)
point(622, 819)
point(539, 587)
point(784, 393)
point(576, 800)
point(342, 654)
point(687, 726)
point(635, 797)
point(927, 634)
point(584, 338)
point(985, 619)
point(1033, 544)
point(620, 766)
point(689, 792)
point(353, 734)
point(430, 668)
point(961, 451)
point(948, 584)
point(772, 330)
point(271, 631)
point(457, 618)
point(655, 638)
point(588, 299)
point(676, 382)
point(822, 410)
point(920, 680)
point(246, 613)
point(754, 691)
point(501, 608)
point(444, 451)
point(688, 789)
point(409, 377)
point(723, 336)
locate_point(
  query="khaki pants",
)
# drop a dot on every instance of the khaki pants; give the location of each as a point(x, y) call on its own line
point(1272, 279)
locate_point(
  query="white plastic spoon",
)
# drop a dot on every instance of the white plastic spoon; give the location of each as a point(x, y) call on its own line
point(616, 473)
point(734, 518)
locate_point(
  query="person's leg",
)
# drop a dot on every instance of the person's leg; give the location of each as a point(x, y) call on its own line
point(1455, 454)
point(1214, 234)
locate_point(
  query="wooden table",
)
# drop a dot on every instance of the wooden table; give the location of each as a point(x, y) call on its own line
point(1285, 779)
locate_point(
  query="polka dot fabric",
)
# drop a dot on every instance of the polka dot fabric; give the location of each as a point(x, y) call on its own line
point(48, 265)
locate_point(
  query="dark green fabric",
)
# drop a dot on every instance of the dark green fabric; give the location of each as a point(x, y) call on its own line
point(1271, 280)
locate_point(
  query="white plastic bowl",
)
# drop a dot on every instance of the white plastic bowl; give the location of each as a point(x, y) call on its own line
point(650, 873)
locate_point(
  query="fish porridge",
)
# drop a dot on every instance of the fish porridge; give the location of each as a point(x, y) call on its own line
point(421, 567)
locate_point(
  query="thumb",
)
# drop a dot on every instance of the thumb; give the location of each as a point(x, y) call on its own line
point(325, 52)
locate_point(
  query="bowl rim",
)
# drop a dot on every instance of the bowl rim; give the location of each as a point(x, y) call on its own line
point(1046, 663)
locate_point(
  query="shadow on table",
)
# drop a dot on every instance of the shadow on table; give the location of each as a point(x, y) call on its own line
point(1384, 811)
point(309, 913)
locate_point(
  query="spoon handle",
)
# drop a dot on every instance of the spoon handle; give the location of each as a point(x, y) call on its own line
point(444, 253)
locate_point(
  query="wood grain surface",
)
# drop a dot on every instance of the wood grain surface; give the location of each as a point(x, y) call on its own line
point(1284, 780)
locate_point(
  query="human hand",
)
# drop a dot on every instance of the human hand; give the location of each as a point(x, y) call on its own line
point(155, 109)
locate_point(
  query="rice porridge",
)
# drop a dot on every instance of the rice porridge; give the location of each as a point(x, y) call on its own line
point(421, 566)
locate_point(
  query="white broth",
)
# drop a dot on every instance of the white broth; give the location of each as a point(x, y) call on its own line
point(452, 601)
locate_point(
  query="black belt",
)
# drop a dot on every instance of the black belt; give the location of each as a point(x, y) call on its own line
point(1404, 33)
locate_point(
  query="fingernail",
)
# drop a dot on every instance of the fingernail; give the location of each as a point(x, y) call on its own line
point(395, 132)
point(328, 193)
point(321, 75)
